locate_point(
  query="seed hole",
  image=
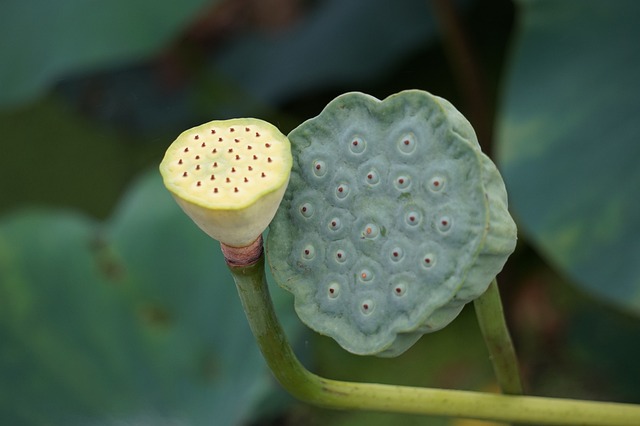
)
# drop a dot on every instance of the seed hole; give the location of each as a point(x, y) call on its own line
point(197, 137)
point(342, 191)
point(184, 174)
point(436, 183)
point(367, 307)
point(319, 168)
point(335, 224)
point(407, 144)
point(403, 182)
point(334, 290)
point(341, 256)
point(444, 224)
point(372, 177)
point(428, 260)
point(203, 145)
point(306, 210)
point(357, 145)
point(186, 149)
point(308, 252)
point(400, 289)
point(232, 130)
point(413, 218)
point(371, 230)
point(213, 131)
point(397, 254)
point(180, 161)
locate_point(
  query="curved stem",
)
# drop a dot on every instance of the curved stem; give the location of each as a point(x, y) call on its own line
point(254, 294)
point(496, 335)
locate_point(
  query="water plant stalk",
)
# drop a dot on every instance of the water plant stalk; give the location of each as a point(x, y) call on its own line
point(249, 275)
point(494, 330)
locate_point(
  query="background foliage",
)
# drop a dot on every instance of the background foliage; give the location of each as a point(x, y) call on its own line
point(116, 310)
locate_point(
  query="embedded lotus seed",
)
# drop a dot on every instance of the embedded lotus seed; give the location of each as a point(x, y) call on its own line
point(397, 254)
point(400, 289)
point(402, 182)
point(371, 230)
point(372, 177)
point(335, 224)
point(428, 260)
point(407, 144)
point(308, 252)
point(365, 275)
point(319, 168)
point(436, 184)
point(306, 210)
point(334, 290)
point(357, 145)
point(367, 307)
point(341, 256)
point(342, 191)
point(413, 218)
point(444, 224)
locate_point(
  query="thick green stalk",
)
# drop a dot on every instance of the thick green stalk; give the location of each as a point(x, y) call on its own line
point(301, 383)
point(496, 336)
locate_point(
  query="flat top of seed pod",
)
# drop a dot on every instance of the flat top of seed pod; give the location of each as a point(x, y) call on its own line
point(227, 164)
point(384, 214)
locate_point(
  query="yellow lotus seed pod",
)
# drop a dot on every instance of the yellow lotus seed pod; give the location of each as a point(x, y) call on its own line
point(229, 176)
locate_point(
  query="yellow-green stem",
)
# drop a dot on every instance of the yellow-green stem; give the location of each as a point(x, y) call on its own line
point(496, 336)
point(254, 294)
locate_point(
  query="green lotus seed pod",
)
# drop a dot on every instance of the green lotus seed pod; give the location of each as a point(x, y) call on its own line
point(229, 176)
point(393, 220)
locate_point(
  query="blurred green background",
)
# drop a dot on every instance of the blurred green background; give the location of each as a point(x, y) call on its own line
point(116, 310)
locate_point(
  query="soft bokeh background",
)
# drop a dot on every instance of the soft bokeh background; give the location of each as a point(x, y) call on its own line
point(116, 310)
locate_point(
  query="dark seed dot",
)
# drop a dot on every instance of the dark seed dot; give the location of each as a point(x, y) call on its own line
point(340, 189)
point(268, 145)
point(203, 145)
point(184, 174)
point(269, 159)
point(235, 189)
point(257, 135)
point(214, 151)
point(318, 166)
point(400, 181)
point(213, 132)
point(306, 252)
point(369, 176)
point(215, 164)
point(237, 157)
point(180, 161)
point(197, 157)
point(246, 129)
point(232, 129)
point(246, 180)
point(213, 177)
point(263, 175)
point(255, 157)
point(228, 180)
point(249, 147)
point(219, 139)
point(198, 183)
point(250, 168)
point(233, 170)
point(197, 137)
point(198, 167)
point(186, 149)
point(236, 140)
point(332, 290)
point(230, 150)
point(215, 190)
point(406, 142)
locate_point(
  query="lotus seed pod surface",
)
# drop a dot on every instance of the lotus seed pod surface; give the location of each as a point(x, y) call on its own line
point(229, 176)
point(392, 221)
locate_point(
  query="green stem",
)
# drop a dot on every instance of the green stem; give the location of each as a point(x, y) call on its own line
point(254, 294)
point(496, 335)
